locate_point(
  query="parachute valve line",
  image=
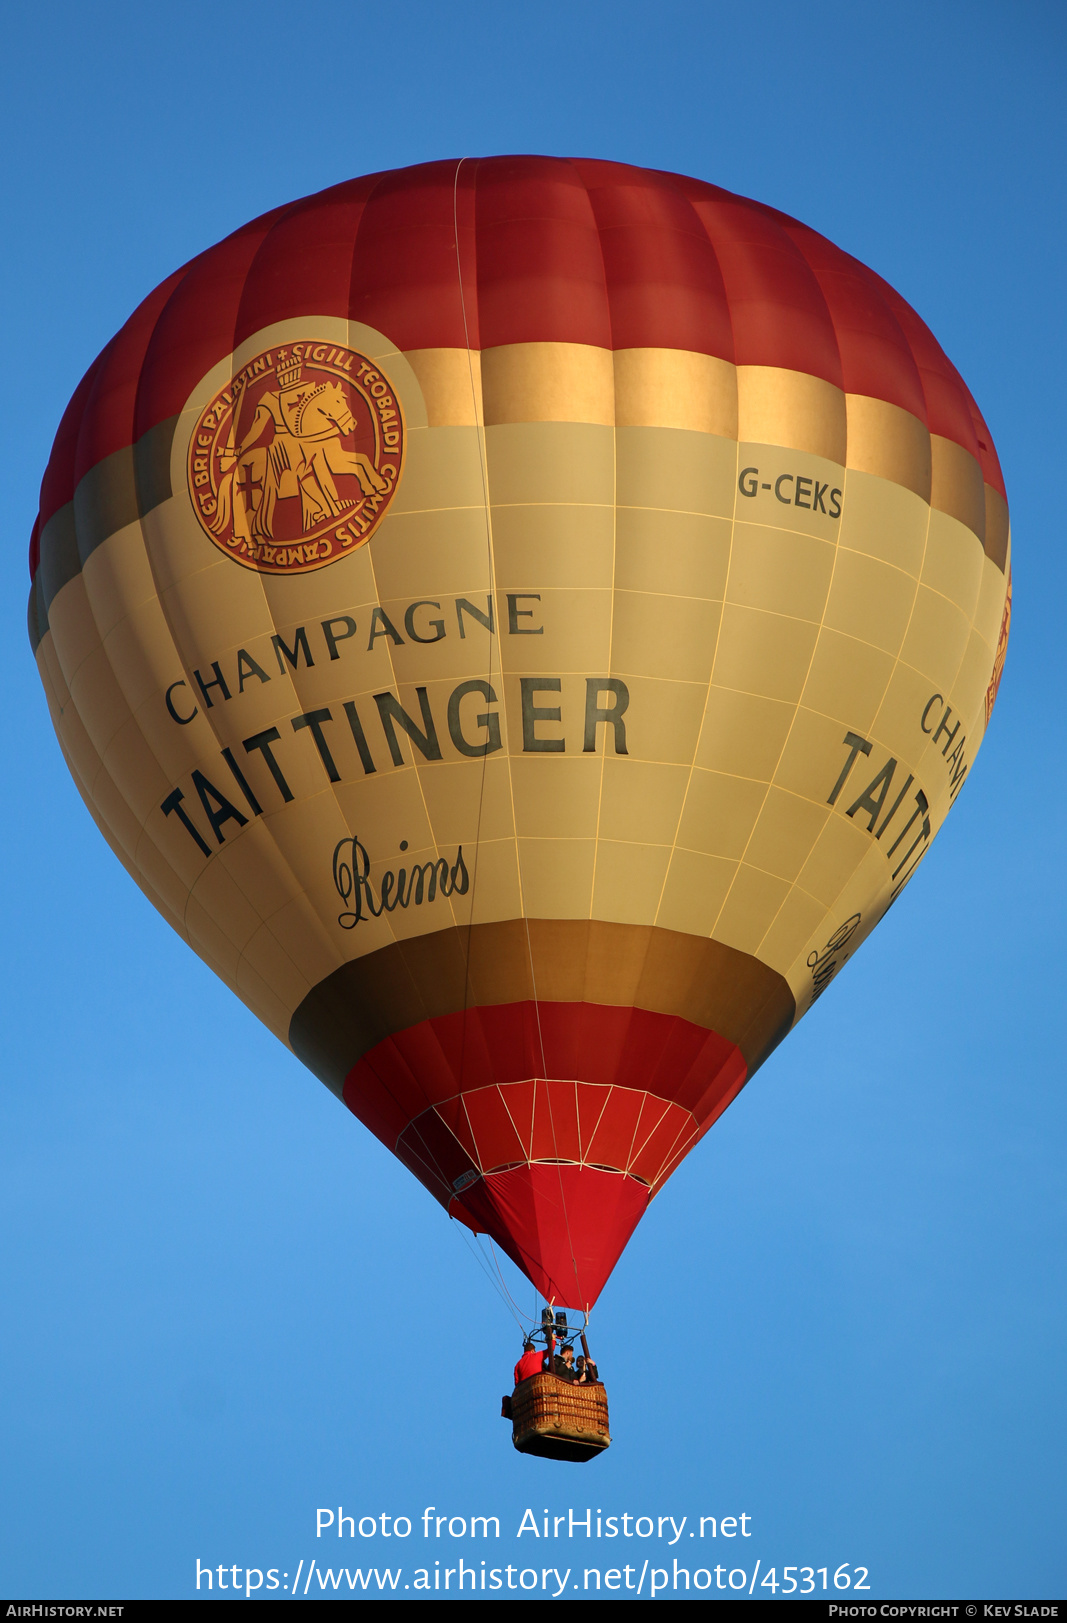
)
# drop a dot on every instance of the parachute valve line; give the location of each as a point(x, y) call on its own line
point(480, 431)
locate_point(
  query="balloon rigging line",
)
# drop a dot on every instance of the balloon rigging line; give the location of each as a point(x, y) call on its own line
point(511, 1299)
point(505, 1294)
point(479, 1257)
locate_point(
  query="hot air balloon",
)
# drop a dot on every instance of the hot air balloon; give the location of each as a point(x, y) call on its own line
point(523, 621)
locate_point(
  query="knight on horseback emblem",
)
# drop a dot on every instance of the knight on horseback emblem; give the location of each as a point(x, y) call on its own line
point(295, 463)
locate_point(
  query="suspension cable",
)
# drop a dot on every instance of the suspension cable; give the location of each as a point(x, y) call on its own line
point(479, 1257)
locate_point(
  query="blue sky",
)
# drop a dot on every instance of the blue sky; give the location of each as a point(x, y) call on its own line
point(223, 1305)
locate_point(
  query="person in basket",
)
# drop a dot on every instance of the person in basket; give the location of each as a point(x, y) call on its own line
point(531, 1363)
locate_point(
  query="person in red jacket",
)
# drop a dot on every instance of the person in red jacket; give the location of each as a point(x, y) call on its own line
point(531, 1363)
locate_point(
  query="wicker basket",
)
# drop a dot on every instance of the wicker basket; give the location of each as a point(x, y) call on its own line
point(558, 1419)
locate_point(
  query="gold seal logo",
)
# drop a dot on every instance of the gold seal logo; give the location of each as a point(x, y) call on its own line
point(295, 462)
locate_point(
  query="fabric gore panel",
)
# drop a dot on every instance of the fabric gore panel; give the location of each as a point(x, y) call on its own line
point(665, 288)
point(518, 1098)
point(304, 263)
point(948, 401)
point(196, 327)
point(613, 1140)
point(540, 265)
point(57, 486)
point(404, 279)
point(777, 309)
point(876, 358)
point(556, 1136)
point(107, 423)
point(493, 1126)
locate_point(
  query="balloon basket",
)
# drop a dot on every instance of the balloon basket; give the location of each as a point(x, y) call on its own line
point(559, 1420)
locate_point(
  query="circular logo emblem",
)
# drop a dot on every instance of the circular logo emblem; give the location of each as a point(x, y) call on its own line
point(294, 463)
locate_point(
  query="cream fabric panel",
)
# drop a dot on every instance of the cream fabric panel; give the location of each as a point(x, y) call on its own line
point(800, 649)
point(519, 383)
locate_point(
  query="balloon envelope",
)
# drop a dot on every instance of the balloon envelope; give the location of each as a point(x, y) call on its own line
point(523, 621)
